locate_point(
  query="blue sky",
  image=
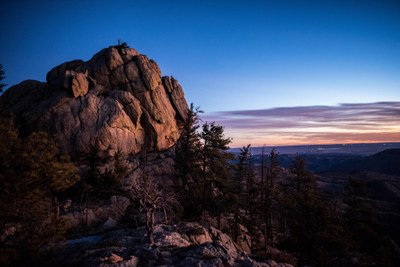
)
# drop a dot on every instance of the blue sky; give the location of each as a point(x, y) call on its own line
point(228, 55)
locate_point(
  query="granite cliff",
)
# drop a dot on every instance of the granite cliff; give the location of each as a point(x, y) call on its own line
point(117, 100)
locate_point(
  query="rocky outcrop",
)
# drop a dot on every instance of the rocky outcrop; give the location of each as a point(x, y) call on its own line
point(105, 214)
point(77, 82)
point(243, 238)
point(117, 100)
point(184, 244)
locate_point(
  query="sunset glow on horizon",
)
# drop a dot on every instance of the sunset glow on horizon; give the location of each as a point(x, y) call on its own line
point(241, 139)
point(342, 124)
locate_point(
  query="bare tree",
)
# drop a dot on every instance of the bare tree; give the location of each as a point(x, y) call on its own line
point(152, 197)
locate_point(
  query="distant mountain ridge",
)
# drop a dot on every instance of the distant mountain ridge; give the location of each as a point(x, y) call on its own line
point(387, 162)
point(377, 157)
point(356, 149)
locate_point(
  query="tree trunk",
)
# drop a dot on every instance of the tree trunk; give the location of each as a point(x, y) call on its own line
point(57, 208)
point(150, 225)
point(165, 216)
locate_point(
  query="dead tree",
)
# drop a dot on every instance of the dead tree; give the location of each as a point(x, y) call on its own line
point(151, 198)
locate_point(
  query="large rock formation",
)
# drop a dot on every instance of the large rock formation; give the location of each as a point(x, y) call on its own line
point(117, 100)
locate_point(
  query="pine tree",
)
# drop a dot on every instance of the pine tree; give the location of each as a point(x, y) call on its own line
point(242, 169)
point(270, 196)
point(100, 182)
point(245, 181)
point(302, 204)
point(360, 217)
point(2, 72)
point(188, 164)
point(215, 167)
point(33, 178)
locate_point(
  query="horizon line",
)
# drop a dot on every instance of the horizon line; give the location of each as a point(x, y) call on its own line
point(327, 144)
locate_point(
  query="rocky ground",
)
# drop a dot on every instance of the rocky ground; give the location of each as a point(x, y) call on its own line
point(184, 244)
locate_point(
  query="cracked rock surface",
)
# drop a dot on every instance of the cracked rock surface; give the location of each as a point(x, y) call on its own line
point(184, 244)
point(117, 100)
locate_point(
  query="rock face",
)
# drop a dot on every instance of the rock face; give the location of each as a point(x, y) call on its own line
point(106, 213)
point(184, 244)
point(117, 100)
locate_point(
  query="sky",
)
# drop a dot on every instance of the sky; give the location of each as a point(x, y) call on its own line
point(272, 72)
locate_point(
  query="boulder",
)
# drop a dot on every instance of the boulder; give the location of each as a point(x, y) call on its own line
point(110, 224)
point(114, 258)
point(243, 239)
point(196, 233)
point(106, 213)
point(117, 100)
point(77, 83)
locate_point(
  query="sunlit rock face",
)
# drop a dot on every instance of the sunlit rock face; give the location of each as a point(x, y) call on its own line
point(117, 100)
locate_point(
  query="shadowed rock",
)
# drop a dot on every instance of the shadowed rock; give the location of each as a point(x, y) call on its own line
point(184, 244)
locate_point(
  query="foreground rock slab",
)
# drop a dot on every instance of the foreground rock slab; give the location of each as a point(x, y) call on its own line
point(184, 244)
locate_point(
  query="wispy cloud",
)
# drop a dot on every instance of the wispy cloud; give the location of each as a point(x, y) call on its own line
point(344, 123)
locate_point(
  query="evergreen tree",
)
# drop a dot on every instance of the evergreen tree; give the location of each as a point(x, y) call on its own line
point(361, 219)
point(110, 182)
point(302, 204)
point(245, 173)
point(315, 233)
point(241, 170)
point(245, 181)
point(188, 164)
point(2, 72)
point(248, 193)
point(215, 167)
point(270, 196)
point(101, 182)
point(33, 177)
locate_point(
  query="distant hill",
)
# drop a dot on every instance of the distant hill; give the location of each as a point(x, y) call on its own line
point(352, 149)
point(387, 162)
